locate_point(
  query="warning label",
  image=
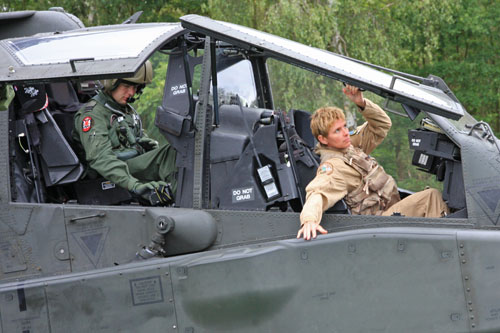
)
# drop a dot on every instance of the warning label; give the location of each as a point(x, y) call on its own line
point(178, 89)
point(243, 194)
point(146, 290)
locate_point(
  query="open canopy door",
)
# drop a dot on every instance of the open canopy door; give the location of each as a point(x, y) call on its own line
point(430, 99)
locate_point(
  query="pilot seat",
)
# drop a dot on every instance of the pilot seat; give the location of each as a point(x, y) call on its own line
point(45, 165)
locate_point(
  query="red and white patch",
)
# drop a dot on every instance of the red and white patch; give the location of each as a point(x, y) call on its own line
point(86, 124)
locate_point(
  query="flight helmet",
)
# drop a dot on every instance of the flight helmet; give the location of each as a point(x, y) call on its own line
point(143, 76)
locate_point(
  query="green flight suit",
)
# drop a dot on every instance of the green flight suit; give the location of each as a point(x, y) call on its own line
point(6, 96)
point(108, 132)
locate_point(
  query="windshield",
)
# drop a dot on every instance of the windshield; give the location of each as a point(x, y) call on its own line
point(237, 80)
point(463, 124)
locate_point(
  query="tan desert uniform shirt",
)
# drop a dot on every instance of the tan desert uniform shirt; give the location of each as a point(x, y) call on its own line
point(335, 178)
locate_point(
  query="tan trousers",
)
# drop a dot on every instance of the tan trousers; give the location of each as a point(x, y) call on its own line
point(427, 203)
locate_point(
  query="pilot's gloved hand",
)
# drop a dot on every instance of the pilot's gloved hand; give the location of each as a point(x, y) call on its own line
point(148, 143)
point(142, 188)
point(156, 193)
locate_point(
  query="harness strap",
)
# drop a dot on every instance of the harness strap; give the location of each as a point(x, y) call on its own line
point(371, 197)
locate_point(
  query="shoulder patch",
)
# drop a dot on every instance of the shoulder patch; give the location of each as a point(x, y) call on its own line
point(86, 124)
point(325, 168)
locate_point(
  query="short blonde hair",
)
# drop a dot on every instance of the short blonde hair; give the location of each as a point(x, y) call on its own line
point(323, 118)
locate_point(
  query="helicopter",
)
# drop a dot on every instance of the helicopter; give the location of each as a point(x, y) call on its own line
point(30, 22)
point(81, 255)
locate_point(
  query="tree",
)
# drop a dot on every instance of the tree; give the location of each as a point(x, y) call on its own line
point(103, 12)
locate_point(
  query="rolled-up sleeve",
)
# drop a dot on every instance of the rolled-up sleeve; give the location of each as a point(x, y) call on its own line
point(369, 135)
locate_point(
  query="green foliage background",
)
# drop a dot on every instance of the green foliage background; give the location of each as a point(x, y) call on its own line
point(454, 39)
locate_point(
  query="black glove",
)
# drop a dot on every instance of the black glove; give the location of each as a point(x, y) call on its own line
point(155, 193)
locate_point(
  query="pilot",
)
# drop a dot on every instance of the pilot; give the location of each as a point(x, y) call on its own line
point(347, 170)
point(115, 146)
